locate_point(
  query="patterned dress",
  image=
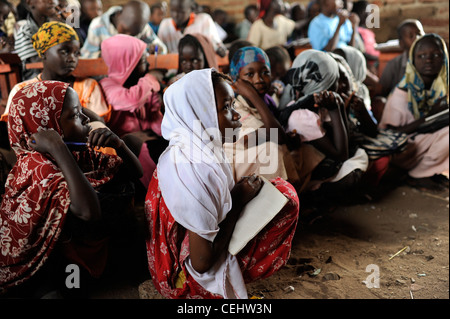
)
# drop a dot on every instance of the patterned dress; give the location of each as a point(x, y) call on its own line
point(168, 245)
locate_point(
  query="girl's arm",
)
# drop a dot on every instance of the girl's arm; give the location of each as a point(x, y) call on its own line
point(440, 105)
point(247, 90)
point(332, 43)
point(84, 203)
point(124, 99)
point(204, 253)
point(335, 143)
point(368, 126)
point(104, 137)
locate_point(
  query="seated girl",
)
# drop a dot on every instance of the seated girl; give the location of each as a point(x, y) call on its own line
point(133, 93)
point(193, 203)
point(317, 113)
point(195, 52)
point(422, 92)
point(261, 147)
point(58, 45)
point(52, 213)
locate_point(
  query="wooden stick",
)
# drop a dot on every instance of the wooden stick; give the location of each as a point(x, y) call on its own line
point(398, 252)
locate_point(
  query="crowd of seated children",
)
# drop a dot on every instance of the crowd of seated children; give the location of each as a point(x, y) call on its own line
point(195, 224)
point(60, 200)
point(131, 18)
point(297, 123)
point(58, 46)
point(182, 21)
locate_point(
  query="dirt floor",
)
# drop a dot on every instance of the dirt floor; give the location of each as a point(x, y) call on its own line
point(394, 246)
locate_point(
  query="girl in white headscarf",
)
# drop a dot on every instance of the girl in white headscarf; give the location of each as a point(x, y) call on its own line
point(193, 204)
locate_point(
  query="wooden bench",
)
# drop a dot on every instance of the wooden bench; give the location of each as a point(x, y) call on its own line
point(10, 75)
point(97, 67)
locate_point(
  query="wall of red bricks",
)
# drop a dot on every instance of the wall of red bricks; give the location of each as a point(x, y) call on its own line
point(434, 14)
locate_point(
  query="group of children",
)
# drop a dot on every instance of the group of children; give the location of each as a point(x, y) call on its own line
point(198, 145)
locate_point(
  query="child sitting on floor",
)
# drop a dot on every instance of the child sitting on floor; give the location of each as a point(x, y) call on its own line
point(261, 148)
point(422, 92)
point(193, 202)
point(134, 97)
point(317, 113)
point(52, 212)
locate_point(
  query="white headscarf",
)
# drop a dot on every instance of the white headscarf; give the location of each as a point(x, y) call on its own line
point(313, 71)
point(195, 176)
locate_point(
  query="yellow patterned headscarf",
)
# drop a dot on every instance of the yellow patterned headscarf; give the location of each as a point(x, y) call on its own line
point(51, 34)
point(421, 100)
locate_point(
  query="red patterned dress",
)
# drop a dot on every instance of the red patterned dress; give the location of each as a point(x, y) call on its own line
point(168, 245)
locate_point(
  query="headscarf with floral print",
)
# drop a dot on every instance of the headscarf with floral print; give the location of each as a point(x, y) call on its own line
point(37, 199)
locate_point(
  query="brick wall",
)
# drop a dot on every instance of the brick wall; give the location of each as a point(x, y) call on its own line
point(434, 14)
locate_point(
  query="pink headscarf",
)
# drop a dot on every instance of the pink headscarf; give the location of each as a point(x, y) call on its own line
point(120, 67)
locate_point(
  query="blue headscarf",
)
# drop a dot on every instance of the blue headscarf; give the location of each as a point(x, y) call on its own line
point(245, 56)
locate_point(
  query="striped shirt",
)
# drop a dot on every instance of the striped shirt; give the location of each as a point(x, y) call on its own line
point(23, 45)
point(200, 23)
point(101, 28)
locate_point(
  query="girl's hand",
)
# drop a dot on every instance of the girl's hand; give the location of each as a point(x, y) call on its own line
point(329, 100)
point(440, 105)
point(104, 137)
point(45, 141)
point(356, 103)
point(244, 88)
point(247, 188)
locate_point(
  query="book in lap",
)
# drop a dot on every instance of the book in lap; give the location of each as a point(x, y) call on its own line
point(256, 215)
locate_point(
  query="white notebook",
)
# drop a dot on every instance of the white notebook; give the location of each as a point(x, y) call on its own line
point(255, 215)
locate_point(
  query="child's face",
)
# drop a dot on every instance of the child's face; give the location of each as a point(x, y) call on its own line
point(258, 74)
point(46, 8)
point(252, 16)
point(92, 8)
point(277, 6)
point(409, 35)
point(191, 58)
point(330, 7)
point(74, 124)
point(227, 116)
point(428, 57)
point(60, 60)
point(157, 15)
point(139, 71)
point(4, 12)
point(180, 11)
